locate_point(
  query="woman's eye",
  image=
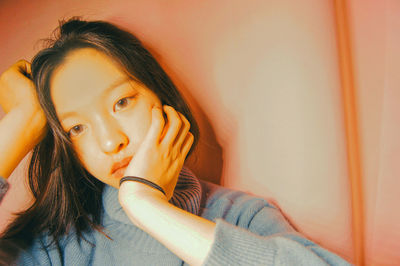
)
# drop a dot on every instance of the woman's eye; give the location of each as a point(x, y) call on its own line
point(75, 130)
point(122, 103)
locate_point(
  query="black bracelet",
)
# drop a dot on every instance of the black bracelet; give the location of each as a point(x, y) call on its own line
point(142, 180)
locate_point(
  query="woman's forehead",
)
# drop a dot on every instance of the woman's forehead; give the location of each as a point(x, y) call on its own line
point(85, 74)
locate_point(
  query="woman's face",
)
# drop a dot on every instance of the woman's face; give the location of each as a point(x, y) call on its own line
point(106, 114)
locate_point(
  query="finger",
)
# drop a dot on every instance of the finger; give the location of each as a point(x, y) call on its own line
point(183, 132)
point(173, 126)
point(24, 67)
point(157, 125)
point(187, 144)
point(20, 63)
point(28, 68)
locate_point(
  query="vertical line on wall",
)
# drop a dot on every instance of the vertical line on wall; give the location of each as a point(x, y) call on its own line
point(351, 127)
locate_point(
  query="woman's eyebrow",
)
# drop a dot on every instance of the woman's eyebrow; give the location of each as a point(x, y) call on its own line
point(116, 83)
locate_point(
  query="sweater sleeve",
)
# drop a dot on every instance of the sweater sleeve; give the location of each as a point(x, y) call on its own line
point(250, 231)
point(234, 245)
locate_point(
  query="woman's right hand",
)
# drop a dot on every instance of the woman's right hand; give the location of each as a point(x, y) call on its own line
point(17, 89)
point(24, 124)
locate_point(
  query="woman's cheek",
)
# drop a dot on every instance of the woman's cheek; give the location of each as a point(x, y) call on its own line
point(91, 158)
point(135, 125)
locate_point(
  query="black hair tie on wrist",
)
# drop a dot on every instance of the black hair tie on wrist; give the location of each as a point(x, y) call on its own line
point(142, 180)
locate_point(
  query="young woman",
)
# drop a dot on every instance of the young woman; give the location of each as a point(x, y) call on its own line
point(99, 111)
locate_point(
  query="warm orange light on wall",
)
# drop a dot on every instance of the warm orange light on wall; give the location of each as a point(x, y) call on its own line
point(351, 125)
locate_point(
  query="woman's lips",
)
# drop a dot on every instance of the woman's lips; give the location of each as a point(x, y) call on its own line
point(118, 168)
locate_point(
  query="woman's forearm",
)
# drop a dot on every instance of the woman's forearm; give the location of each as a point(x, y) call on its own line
point(20, 130)
point(188, 236)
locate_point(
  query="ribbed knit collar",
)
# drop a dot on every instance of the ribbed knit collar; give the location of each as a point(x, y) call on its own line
point(187, 196)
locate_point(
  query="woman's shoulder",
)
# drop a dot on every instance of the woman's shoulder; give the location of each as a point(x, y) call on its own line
point(213, 194)
point(45, 251)
point(4, 185)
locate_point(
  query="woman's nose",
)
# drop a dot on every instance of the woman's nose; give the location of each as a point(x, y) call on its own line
point(114, 143)
point(111, 138)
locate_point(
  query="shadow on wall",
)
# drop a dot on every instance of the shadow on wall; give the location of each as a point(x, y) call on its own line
point(206, 161)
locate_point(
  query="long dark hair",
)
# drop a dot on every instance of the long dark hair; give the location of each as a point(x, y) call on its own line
point(66, 195)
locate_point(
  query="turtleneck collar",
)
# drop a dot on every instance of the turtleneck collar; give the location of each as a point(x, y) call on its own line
point(187, 196)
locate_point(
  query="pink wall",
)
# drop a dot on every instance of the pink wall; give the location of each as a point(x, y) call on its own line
point(263, 80)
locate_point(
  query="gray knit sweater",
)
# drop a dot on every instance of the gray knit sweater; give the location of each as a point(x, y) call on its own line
point(249, 231)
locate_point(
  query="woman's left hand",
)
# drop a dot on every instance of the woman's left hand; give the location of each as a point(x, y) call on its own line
point(161, 155)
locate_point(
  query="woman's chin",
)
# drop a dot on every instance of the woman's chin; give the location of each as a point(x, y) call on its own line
point(119, 173)
point(114, 178)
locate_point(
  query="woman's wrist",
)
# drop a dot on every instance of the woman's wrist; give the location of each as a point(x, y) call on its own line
point(136, 198)
point(132, 191)
point(33, 111)
point(34, 124)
